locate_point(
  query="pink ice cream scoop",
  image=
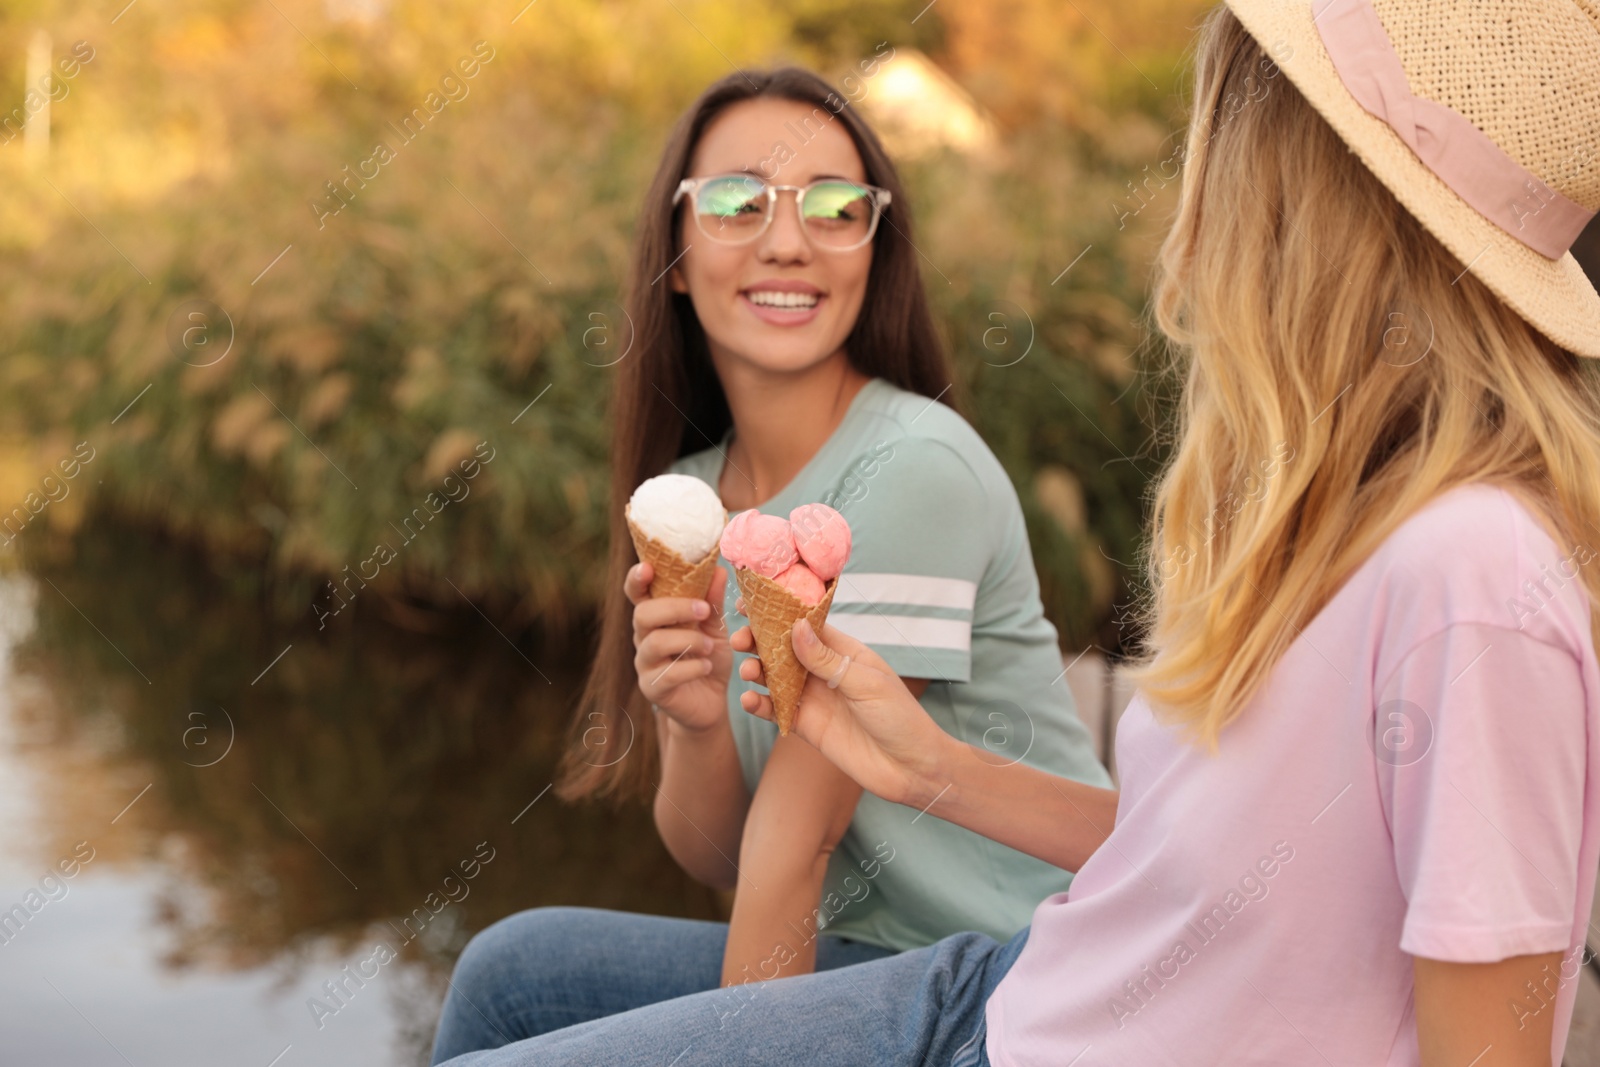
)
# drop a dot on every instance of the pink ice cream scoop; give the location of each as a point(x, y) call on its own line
point(799, 580)
point(822, 538)
point(763, 543)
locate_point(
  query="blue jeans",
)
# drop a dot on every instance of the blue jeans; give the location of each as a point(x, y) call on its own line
point(584, 986)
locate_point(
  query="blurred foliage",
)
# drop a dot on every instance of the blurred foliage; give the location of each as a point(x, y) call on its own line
point(371, 349)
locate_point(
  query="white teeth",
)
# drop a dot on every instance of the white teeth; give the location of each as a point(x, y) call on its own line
point(773, 298)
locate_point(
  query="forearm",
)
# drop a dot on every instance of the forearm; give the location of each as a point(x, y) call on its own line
point(702, 801)
point(773, 930)
point(802, 808)
point(1055, 819)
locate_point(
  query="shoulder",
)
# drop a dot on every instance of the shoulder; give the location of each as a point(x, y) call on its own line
point(928, 447)
point(927, 423)
point(1479, 553)
point(1470, 533)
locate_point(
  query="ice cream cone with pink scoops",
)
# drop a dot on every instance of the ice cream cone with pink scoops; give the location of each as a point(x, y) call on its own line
point(787, 569)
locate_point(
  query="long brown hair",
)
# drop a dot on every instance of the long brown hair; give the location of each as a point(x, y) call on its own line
point(1341, 370)
point(667, 401)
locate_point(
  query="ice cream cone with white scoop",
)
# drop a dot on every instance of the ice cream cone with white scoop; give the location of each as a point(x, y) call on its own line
point(676, 521)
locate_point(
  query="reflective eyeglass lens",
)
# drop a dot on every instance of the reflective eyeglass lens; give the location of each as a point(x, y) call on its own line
point(839, 214)
point(731, 209)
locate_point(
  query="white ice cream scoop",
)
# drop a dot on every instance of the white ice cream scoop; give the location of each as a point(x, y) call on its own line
point(680, 511)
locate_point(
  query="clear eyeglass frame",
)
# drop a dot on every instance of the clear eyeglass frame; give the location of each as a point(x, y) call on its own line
point(878, 198)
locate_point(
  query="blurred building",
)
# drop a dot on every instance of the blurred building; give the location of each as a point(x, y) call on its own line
point(919, 109)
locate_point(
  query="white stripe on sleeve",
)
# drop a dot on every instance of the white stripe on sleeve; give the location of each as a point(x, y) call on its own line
point(919, 590)
point(911, 631)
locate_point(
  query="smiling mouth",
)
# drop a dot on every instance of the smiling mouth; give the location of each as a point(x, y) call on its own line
point(775, 299)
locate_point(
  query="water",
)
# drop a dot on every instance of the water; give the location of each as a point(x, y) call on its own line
point(241, 826)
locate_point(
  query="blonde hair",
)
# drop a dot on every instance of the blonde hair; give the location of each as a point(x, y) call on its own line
point(1339, 369)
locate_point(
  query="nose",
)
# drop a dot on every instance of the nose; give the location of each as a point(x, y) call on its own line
point(785, 239)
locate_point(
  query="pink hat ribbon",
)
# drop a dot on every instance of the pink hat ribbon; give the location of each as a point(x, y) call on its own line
point(1446, 141)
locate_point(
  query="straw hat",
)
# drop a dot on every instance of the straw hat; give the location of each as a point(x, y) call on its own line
point(1483, 119)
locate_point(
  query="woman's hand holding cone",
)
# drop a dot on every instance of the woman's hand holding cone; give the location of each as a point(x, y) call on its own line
point(868, 725)
point(682, 657)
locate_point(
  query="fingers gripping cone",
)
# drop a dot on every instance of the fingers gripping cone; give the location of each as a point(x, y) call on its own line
point(675, 576)
point(773, 611)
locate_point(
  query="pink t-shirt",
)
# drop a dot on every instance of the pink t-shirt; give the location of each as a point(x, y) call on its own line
point(1416, 777)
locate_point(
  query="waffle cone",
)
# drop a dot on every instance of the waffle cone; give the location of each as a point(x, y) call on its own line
point(773, 611)
point(675, 576)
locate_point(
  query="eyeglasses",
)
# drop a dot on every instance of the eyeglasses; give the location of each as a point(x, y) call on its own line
point(735, 209)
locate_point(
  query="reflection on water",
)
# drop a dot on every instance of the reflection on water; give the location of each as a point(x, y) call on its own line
point(269, 848)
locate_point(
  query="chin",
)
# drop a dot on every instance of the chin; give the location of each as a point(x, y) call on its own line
point(786, 359)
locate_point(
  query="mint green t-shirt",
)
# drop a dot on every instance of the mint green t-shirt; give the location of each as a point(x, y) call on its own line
point(940, 583)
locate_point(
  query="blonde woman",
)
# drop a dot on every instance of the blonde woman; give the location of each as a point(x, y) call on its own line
point(1360, 810)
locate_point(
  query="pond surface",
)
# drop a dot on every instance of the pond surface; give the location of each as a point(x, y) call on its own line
point(206, 815)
